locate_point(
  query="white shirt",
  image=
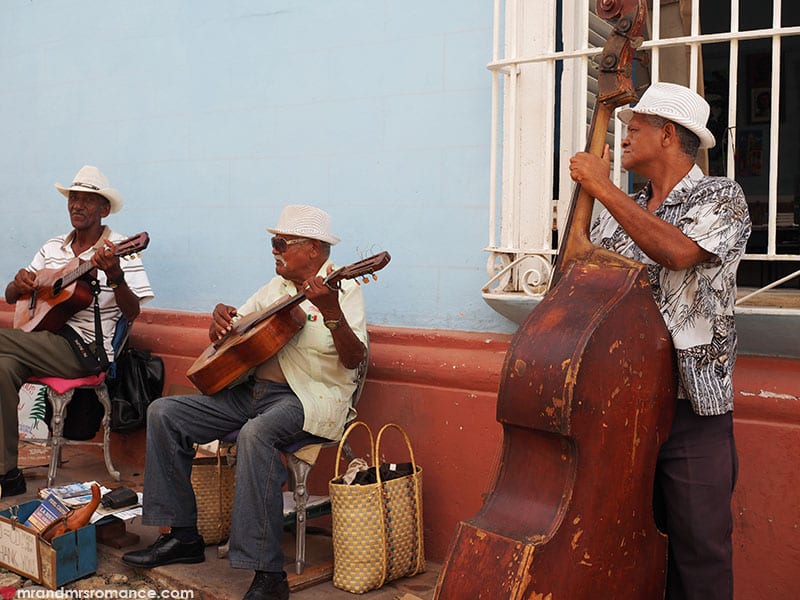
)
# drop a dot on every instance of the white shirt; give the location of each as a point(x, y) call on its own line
point(57, 252)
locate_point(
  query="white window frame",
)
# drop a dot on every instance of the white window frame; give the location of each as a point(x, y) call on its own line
point(522, 138)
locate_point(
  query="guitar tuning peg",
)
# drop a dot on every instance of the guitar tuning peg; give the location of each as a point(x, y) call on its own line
point(358, 281)
point(374, 277)
point(365, 279)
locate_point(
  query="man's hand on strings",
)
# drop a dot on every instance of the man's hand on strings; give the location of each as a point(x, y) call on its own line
point(25, 282)
point(324, 296)
point(221, 321)
point(105, 260)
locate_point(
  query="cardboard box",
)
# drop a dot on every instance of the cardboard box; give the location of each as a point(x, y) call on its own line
point(67, 558)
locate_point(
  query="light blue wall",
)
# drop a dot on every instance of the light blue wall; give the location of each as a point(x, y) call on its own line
point(209, 116)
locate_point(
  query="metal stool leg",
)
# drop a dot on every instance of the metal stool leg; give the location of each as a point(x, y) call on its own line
point(56, 440)
point(102, 396)
point(59, 403)
point(300, 470)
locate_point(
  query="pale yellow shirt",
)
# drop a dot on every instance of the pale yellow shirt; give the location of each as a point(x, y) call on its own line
point(310, 362)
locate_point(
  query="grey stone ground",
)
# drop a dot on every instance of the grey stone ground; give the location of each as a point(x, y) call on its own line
point(212, 580)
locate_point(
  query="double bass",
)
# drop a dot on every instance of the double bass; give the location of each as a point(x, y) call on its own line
point(586, 399)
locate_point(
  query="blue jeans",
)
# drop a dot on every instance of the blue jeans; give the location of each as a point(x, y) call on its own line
point(270, 417)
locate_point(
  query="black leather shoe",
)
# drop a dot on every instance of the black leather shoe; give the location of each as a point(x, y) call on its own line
point(268, 586)
point(165, 551)
point(12, 483)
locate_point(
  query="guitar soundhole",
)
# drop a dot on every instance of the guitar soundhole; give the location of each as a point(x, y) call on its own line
point(57, 287)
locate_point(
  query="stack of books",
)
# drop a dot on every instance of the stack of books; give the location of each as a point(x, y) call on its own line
point(72, 494)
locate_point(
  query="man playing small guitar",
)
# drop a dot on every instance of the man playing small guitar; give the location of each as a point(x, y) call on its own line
point(68, 349)
point(303, 387)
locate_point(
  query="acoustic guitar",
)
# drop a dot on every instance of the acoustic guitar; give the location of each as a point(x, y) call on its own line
point(63, 292)
point(258, 336)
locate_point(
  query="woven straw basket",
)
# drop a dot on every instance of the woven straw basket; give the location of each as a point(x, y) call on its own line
point(377, 528)
point(213, 482)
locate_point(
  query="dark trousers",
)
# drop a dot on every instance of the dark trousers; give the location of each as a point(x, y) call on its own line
point(695, 476)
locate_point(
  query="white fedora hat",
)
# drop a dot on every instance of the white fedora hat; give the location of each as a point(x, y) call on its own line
point(305, 221)
point(675, 103)
point(90, 179)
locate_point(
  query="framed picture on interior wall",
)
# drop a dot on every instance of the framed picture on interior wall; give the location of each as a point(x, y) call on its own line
point(760, 104)
point(750, 152)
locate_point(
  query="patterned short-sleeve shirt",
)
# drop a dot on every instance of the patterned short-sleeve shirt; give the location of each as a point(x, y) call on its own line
point(696, 303)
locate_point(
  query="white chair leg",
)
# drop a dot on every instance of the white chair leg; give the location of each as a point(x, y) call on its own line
point(102, 396)
point(59, 403)
point(300, 470)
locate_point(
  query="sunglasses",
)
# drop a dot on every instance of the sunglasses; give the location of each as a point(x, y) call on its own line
point(281, 245)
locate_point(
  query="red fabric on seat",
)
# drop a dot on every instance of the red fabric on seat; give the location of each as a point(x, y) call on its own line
point(60, 386)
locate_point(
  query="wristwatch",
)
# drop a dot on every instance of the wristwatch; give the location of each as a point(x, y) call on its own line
point(116, 283)
point(332, 324)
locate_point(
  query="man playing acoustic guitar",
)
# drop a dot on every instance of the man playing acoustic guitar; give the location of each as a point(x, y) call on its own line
point(61, 343)
point(303, 389)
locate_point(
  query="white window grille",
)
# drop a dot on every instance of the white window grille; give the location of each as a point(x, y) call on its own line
point(744, 58)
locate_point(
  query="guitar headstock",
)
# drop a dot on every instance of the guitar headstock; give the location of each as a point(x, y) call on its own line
point(132, 245)
point(362, 268)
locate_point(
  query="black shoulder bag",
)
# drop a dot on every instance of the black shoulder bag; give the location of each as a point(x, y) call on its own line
point(139, 380)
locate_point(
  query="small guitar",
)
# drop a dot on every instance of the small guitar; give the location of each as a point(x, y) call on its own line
point(63, 292)
point(259, 335)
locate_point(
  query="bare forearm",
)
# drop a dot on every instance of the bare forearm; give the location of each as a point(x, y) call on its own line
point(127, 301)
point(350, 348)
point(661, 241)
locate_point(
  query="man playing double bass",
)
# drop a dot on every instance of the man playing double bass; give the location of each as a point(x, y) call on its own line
point(303, 389)
point(691, 231)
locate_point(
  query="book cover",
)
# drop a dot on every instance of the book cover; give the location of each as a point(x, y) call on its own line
point(72, 494)
point(50, 509)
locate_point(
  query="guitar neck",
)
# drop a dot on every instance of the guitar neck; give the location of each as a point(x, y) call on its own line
point(76, 273)
point(331, 279)
point(361, 268)
point(266, 314)
point(252, 320)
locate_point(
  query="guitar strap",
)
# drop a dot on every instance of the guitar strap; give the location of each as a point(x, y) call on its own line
point(100, 347)
point(91, 356)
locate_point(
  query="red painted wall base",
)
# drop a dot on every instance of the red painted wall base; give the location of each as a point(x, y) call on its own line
point(441, 387)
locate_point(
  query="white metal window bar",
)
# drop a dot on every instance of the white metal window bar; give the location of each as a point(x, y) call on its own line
point(519, 264)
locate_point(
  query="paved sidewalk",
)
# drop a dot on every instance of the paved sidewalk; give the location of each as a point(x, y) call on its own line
point(216, 580)
point(212, 580)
